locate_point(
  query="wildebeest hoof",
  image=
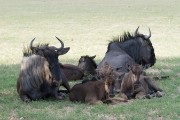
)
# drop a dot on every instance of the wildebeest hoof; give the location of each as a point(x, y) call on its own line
point(60, 96)
point(159, 94)
point(148, 96)
point(27, 100)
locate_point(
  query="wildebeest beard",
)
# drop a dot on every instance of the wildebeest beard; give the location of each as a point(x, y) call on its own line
point(52, 60)
point(132, 44)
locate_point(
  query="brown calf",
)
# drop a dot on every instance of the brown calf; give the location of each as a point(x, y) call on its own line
point(94, 92)
point(135, 85)
point(72, 72)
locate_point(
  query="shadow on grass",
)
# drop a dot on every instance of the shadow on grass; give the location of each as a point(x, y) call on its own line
point(12, 105)
point(9, 74)
point(164, 66)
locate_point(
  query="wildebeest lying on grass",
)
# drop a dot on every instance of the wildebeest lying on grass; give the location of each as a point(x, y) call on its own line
point(71, 72)
point(115, 76)
point(129, 49)
point(135, 85)
point(87, 65)
point(39, 75)
point(97, 91)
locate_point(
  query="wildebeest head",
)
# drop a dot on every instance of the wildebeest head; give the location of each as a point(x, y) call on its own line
point(136, 69)
point(50, 53)
point(87, 64)
point(147, 50)
point(107, 73)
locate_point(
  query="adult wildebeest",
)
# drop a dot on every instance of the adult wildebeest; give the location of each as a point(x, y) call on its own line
point(135, 85)
point(39, 75)
point(128, 50)
point(88, 65)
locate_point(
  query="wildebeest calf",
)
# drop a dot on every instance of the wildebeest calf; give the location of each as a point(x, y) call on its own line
point(87, 65)
point(71, 72)
point(94, 92)
point(135, 85)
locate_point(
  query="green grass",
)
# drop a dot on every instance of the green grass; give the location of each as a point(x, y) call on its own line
point(86, 26)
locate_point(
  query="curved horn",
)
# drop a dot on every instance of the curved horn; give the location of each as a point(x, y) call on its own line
point(62, 44)
point(31, 44)
point(136, 32)
point(147, 37)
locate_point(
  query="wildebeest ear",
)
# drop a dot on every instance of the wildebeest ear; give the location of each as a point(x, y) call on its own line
point(63, 51)
point(92, 57)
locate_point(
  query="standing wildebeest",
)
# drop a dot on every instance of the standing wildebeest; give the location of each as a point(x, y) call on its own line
point(71, 72)
point(135, 85)
point(96, 91)
point(88, 65)
point(39, 75)
point(128, 50)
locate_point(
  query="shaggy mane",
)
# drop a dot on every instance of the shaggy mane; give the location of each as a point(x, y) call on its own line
point(126, 36)
point(28, 52)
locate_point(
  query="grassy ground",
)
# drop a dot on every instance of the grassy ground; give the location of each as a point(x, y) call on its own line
point(86, 27)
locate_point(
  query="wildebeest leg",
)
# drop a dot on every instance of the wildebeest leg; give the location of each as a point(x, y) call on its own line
point(139, 91)
point(92, 100)
point(140, 95)
point(123, 95)
point(24, 97)
point(65, 83)
point(151, 84)
point(67, 86)
point(159, 94)
point(114, 100)
point(35, 95)
point(58, 95)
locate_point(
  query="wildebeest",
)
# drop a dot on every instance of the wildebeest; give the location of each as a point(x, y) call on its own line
point(72, 72)
point(115, 76)
point(135, 85)
point(88, 65)
point(128, 50)
point(39, 75)
point(96, 91)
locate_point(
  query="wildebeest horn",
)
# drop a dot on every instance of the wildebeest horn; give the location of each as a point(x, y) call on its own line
point(31, 44)
point(62, 44)
point(147, 37)
point(136, 32)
